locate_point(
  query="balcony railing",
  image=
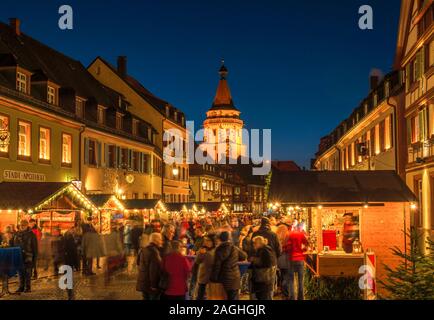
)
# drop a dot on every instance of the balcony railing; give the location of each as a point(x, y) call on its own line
point(419, 151)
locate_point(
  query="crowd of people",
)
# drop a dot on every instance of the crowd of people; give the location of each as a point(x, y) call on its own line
point(200, 259)
point(195, 258)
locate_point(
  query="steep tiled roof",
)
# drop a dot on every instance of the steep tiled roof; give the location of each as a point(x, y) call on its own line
point(223, 98)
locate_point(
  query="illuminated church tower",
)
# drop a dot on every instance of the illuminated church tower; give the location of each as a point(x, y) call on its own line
point(223, 126)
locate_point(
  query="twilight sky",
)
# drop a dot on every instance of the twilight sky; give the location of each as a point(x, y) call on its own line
point(296, 67)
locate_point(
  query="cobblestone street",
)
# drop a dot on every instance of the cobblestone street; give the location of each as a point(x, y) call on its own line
point(122, 286)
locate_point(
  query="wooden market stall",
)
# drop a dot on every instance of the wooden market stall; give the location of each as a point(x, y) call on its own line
point(54, 205)
point(119, 211)
point(194, 209)
point(352, 219)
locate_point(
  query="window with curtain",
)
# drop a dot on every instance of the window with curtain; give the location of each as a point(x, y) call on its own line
point(44, 143)
point(24, 139)
point(66, 149)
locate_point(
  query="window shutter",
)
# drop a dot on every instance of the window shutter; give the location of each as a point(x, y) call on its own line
point(407, 77)
point(140, 162)
point(382, 130)
point(118, 157)
point(130, 158)
point(409, 139)
point(98, 154)
point(417, 66)
point(422, 62)
point(372, 146)
point(106, 160)
point(86, 151)
point(391, 129)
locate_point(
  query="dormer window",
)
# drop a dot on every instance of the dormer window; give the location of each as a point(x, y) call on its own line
point(375, 99)
point(176, 116)
point(387, 88)
point(101, 115)
point(119, 121)
point(167, 112)
point(21, 82)
point(135, 127)
point(51, 95)
point(79, 107)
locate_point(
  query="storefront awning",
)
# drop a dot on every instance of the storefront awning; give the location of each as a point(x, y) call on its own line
point(322, 187)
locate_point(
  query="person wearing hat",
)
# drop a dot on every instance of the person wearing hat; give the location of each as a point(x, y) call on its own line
point(225, 269)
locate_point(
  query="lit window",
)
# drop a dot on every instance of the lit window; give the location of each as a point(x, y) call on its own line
point(4, 125)
point(79, 108)
point(377, 139)
point(24, 138)
point(66, 148)
point(44, 144)
point(388, 133)
point(21, 82)
point(51, 95)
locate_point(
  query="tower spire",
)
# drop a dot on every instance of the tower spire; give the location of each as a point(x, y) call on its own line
point(223, 97)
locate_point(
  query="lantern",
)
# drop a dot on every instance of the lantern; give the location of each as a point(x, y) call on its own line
point(357, 246)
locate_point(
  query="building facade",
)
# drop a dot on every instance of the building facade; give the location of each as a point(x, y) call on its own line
point(415, 56)
point(370, 139)
point(162, 118)
point(59, 123)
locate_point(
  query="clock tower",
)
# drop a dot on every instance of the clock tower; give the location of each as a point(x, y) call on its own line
point(223, 125)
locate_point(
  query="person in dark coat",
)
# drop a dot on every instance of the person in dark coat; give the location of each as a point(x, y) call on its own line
point(71, 250)
point(150, 268)
point(225, 269)
point(263, 261)
point(26, 240)
point(272, 239)
point(87, 261)
point(168, 233)
point(58, 250)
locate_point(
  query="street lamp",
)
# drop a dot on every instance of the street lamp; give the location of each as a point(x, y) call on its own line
point(175, 172)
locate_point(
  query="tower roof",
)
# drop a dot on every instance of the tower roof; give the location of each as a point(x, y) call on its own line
point(223, 97)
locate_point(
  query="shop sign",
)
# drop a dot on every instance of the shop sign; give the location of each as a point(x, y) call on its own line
point(23, 176)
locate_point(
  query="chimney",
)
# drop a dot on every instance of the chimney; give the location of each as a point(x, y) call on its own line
point(14, 23)
point(374, 80)
point(375, 76)
point(122, 66)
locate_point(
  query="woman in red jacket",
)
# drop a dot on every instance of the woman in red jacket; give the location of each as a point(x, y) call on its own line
point(296, 247)
point(178, 269)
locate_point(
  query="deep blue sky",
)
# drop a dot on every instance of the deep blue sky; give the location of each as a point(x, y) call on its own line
point(297, 67)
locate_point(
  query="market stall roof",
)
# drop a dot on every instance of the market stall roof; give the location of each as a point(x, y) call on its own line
point(31, 195)
point(321, 187)
point(208, 206)
point(100, 199)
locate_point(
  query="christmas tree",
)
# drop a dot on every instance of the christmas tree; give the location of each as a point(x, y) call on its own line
point(413, 278)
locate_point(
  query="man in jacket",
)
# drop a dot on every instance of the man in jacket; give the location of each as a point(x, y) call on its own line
point(226, 270)
point(89, 233)
point(264, 269)
point(26, 240)
point(272, 239)
point(168, 234)
point(150, 268)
